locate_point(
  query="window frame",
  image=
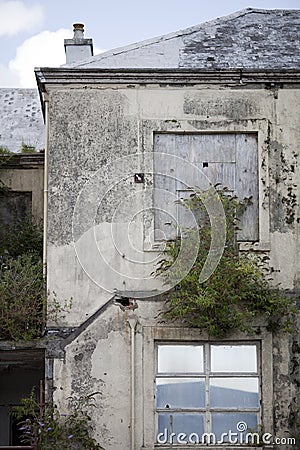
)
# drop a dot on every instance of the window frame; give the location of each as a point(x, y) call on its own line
point(153, 333)
point(151, 126)
point(207, 410)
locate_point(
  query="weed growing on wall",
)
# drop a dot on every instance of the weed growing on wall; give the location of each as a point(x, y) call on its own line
point(236, 294)
point(47, 429)
point(28, 148)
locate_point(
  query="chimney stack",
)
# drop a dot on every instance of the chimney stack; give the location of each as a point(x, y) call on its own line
point(78, 48)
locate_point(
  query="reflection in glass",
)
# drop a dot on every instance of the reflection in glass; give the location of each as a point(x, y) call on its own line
point(234, 392)
point(233, 358)
point(181, 423)
point(180, 358)
point(230, 423)
point(180, 393)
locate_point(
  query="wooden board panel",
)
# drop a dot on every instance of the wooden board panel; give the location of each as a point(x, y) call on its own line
point(247, 184)
point(206, 159)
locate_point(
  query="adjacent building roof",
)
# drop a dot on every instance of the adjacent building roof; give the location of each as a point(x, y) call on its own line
point(21, 120)
point(249, 39)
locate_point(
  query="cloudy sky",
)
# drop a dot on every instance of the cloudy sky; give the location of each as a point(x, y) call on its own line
point(32, 31)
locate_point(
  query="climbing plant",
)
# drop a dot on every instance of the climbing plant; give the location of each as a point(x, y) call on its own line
point(238, 291)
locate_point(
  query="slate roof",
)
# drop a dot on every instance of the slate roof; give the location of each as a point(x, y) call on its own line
point(21, 120)
point(249, 39)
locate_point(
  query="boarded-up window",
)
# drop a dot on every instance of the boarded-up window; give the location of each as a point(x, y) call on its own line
point(229, 159)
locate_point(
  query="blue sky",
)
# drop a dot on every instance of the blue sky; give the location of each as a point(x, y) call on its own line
point(32, 31)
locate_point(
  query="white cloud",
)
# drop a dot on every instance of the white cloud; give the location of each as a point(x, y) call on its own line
point(7, 78)
point(45, 49)
point(17, 17)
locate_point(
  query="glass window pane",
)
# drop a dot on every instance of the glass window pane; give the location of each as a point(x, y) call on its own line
point(233, 358)
point(180, 358)
point(234, 392)
point(180, 393)
point(233, 427)
point(192, 425)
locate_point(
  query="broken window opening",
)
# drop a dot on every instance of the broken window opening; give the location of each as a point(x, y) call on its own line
point(20, 372)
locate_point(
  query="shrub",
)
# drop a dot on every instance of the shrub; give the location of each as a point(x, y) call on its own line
point(22, 298)
point(23, 238)
point(22, 286)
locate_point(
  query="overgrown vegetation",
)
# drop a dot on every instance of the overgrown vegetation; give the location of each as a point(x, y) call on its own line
point(24, 149)
point(50, 430)
point(236, 294)
point(22, 286)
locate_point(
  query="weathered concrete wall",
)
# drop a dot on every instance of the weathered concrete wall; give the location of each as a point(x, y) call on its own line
point(99, 361)
point(100, 238)
point(92, 163)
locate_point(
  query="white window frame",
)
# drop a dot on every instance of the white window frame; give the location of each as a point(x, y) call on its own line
point(207, 410)
point(152, 335)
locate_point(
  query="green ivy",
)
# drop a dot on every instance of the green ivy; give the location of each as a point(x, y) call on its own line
point(236, 294)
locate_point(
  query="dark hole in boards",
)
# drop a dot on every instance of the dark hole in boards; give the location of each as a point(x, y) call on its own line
point(205, 164)
point(126, 303)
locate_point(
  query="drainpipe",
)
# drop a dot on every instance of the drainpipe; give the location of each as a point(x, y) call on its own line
point(45, 220)
point(132, 320)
